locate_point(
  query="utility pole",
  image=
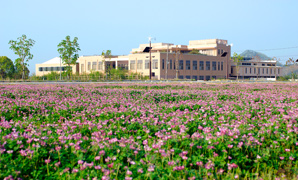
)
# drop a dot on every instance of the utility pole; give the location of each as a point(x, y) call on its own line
point(60, 69)
point(150, 73)
point(167, 62)
point(177, 65)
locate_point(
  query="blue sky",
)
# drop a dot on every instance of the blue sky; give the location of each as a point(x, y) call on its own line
point(122, 25)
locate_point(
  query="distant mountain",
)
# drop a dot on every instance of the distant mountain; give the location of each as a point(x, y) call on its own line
point(253, 54)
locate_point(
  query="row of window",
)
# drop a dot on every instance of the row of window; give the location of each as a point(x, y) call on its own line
point(51, 68)
point(249, 64)
point(139, 64)
point(264, 70)
point(198, 77)
point(215, 65)
point(99, 65)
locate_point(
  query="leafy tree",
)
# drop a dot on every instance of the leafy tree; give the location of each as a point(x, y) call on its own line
point(20, 71)
point(68, 51)
point(22, 47)
point(237, 59)
point(106, 55)
point(6, 67)
point(194, 51)
point(291, 63)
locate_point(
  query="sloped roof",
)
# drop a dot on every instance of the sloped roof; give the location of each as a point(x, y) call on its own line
point(55, 60)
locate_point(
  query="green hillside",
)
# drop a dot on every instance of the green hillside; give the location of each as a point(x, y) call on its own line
point(253, 54)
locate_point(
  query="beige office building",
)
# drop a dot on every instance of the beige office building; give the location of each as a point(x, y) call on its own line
point(200, 60)
point(256, 69)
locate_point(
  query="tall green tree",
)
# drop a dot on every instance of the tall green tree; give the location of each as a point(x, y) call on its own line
point(6, 67)
point(292, 64)
point(22, 47)
point(237, 59)
point(106, 55)
point(19, 71)
point(68, 51)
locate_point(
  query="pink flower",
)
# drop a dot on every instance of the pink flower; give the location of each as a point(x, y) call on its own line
point(151, 168)
point(110, 165)
point(287, 150)
point(97, 158)
point(128, 172)
point(291, 158)
point(140, 170)
point(80, 162)
point(230, 146)
point(47, 161)
point(200, 163)
point(282, 158)
point(57, 164)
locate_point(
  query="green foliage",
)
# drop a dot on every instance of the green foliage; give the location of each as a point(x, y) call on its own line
point(22, 47)
point(194, 51)
point(68, 51)
point(6, 67)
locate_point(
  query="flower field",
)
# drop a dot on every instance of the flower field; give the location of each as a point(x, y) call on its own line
point(149, 131)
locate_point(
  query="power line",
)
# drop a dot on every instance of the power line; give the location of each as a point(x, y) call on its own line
point(294, 47)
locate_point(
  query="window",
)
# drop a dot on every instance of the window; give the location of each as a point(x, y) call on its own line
point(201, 77)
point(40, 69)
point(82, 68)
point(181, 64)
point(222, 66)
point(245, 70)
point(174, 65)
point(194, 65)
point(52, 68)
point(213, 77)
point(263, 64)
point(267, 70)
point(258, 70)
point(263, 70)
point(93, 66)
point(100, 66)
point(171, 64)
point(231, 70)
point(270, 71)
point(218, 52)
point(89, 66)
point(195, 77)
point(207, 65)
point(163, 64)
point(180, 77)
point(201, 65)
point(213, 66)
point(146, 64)
point(246, 64)
point(207, 78)
point(254, 70)
point(187, 77)
point(187, 65)
point(154, 64)
point(250, 70)
point(63, 68)
point(278, 71)
point(218, 66)
point(221, 51)
point(132, 65)
point(140, 64)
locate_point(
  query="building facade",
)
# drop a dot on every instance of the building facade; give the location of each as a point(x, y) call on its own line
point(53, 65)
point(256, 69)
point(199, 60)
